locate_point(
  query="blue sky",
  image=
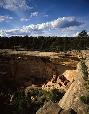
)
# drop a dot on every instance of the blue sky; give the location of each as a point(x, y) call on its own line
point(43, 17)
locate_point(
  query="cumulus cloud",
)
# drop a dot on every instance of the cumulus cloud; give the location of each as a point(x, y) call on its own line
point(64, 22)
point(76, 34)
point(60, 23)
point(14, 4)
point(5, 18)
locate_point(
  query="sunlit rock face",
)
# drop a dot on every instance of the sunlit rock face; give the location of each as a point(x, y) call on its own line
point(53, 108)
point(70, 74)
point(78, 88)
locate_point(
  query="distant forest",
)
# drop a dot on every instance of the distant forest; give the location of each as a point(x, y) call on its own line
point(42, 43)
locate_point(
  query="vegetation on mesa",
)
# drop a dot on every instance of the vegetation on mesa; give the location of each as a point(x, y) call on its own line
point(46, 43)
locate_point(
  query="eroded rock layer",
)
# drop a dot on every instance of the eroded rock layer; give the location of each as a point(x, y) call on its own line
point(37, 67)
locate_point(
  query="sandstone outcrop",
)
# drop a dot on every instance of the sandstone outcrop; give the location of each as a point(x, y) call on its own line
point(49, 108)
point(70, 75)
point(53, 108)
point(78, 88)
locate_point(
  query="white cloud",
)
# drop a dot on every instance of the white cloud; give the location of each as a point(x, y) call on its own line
point(3, 33)
point(62, 24)
point(5, 18)
point(14, 4)
point(34, 14)
point(76, 34)
point(24, 19)
point(88, 33)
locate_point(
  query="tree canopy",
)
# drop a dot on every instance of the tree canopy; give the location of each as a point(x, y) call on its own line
point(83, 34)
point(43, 43)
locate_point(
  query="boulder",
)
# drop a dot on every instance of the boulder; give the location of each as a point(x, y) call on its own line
point(69, 111)
point(49, 108)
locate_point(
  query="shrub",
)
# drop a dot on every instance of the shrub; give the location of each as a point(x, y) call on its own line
point(25, 104)
point(85, 99)
point(84, 70)
point(56, 95)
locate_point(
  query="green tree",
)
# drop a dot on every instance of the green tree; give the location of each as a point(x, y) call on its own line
point(84, 70)
point(85, 99)
point(83, 34)
point(56, 95)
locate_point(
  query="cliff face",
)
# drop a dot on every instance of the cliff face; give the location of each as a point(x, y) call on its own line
point(77, 89)
point(25, 68)
point(36, 67)
point(72, 98)
point(53, 108)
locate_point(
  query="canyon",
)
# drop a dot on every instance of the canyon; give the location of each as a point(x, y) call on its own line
point(39, 68)
point(48, 71)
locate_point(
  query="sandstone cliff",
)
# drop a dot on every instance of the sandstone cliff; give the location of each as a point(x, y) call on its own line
point(77, 89)
point(53, 108)
point(34, 67)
